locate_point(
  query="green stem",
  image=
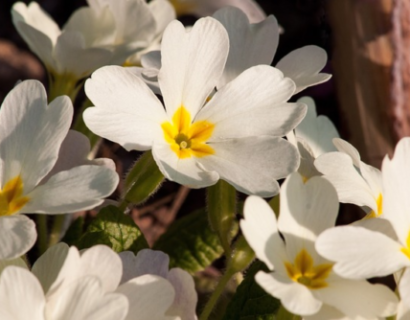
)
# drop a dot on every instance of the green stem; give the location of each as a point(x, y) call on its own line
point(58, 225)
point(42, 233)
point(64, 84)
point(79, 124)
point(221, 199)
point(215, 295)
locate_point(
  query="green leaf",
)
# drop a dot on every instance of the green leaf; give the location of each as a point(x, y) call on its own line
point(115, 229)
point(190, 242)
point(250, 301)
point(74, 232)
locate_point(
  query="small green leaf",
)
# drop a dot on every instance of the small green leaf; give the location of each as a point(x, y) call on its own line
point(190, 242)
point(74, 232)
point(115, 229)
point(250, 301)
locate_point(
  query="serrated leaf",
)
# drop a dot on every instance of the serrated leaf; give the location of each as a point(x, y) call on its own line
point(250, 301)
point(190, 243)
point(115, 229)
point(74, 232)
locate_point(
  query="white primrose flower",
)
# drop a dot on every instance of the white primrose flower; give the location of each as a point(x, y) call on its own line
point(106, 32)
point(204, 8)
point(249, 47)
point(235, 136)
point(157, 263)
point(355, 181)
point(313, 137)
point(34, 178)
point(303, 280)
point(361, 253)
point(149, 296)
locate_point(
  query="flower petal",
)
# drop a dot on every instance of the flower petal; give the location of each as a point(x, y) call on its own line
point(303, 66)
point(295, 297)
point(359, 298)
point(247, 41)
point(149, 297)
point(404, 287)
point(48, 265)
point(31, 132)
point(338, 168)
point(17, 262)
point(147, 261)
point(127, 111)
point(186, 297)
point(346, 147)
point(17, 235)
point(192, 63)
point(252, 165)
point(186, 171)
point(163, 13)
point(253, 104)
point(21, 295)
point(360, 253)
point(79, 188)
point(260, 230)
point(307, 209)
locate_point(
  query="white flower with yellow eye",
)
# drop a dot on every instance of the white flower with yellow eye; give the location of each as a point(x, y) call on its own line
point(196, 140)
point(106, 32)
point(361, 253)
point(303, 280)
point(33, 176)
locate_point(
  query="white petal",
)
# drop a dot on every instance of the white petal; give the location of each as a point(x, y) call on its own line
point(317, 131)
point(294, 297)
point(149, 297)
point(80, 188)
point(404, 287)
point(21, 295)
point(359, 298)
point(396, 183)
point(253, 104)
point(163, 13)
point(248, 45)
point(74, 57)
point(186, 297)
point(17, 262)
point(150, 77)
point(152, 60)
point(346, 147)
point(147, 261)
point(192, 63)
point(403, 311)
point(360, 253)
point(338, 168)
point(307, 158)
point(373, 177)
point(86, 299)
point(127, 111)
point(260, 230)
point(327, 312)
point(48, 266)
point(17, 235)
point(303, 66)
point(187, 171)
point(252, 165)
point(31, 132)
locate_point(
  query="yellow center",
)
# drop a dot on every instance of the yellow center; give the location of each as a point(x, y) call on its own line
point(11, 197)
point(188, 139)
point(305, 272)
point(379, 202)
point(406, 249)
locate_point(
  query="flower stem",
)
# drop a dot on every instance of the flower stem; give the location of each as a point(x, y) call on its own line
point(79, 124)
point(63, 84)
point(42, 233)
point(216, 294)
point(58, 225)
point(284, 314)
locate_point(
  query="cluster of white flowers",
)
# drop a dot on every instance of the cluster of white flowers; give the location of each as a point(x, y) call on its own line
point(224, 116)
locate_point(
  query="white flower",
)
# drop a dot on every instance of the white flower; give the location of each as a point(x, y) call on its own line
point(156, 263)
point(61, 267)
point(361, 253)
point(234, 136)
point(33, 178)
point(303, 280)
point(313, 137)
point(249, 47)
point(355, 181)
point(106, 32)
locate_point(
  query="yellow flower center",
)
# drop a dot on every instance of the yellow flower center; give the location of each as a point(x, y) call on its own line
point(188, 139)
point(11, 197)
point(406, 249)
point(379, 202)
point(305, 272)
